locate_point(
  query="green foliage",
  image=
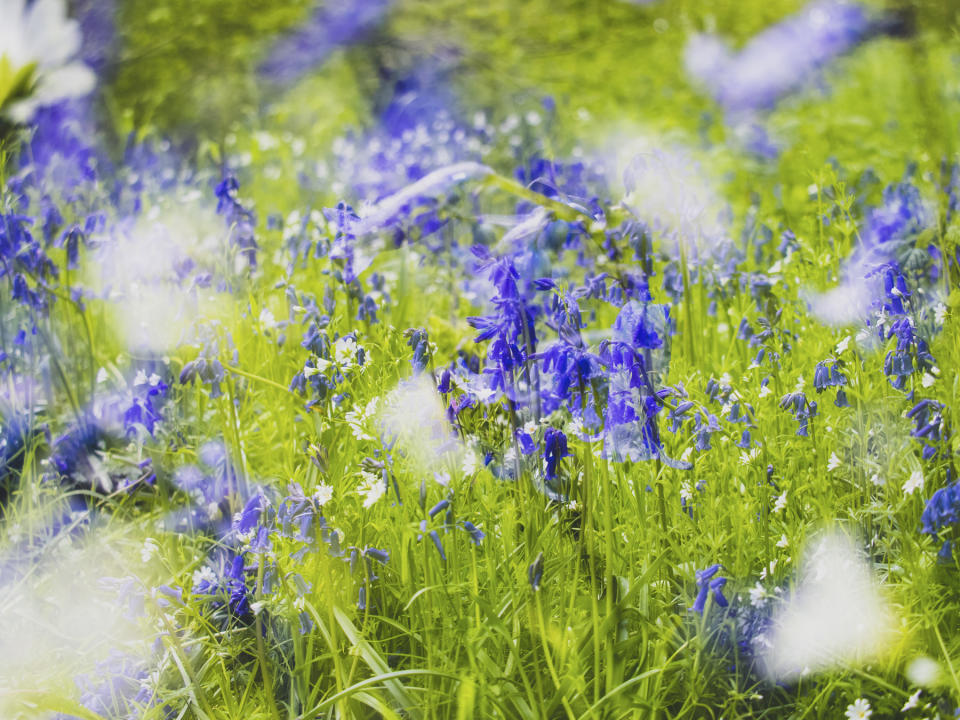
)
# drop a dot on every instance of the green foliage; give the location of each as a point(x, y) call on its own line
point(609, 633)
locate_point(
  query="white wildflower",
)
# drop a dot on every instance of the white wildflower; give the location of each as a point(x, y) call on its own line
point(859, 710)
point(345, 352)
point(371, 488)
point(267, 319)
point(758, 596)
point(914, 483)
point(781, 503)
point(148, 550)
point(912, 702)
point(204, 575)
point(323, 494)
point(940, 313)
point(843, 345)
point(469, 465)
point(783, 542)
point(834, 462)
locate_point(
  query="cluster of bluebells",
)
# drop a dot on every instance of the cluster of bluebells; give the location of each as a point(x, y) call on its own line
point(240, 220)
point(332, 359)
point(120, 687)
point(25, 266)
point(733, 409)
point(929, 426)
point(824, 377)
point(209, 486)
point(415, 137)
point(81, 454)
point(709, 583)
point(803, 410)
point(942, 513)
point(631, 431)
point(206, 368)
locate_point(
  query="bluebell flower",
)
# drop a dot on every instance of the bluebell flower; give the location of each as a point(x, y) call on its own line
point(22, 257)
point(803, 411)
point(225, 584)
point(554, 450)
point(418, 340)
point(248, 518)
point(942, 512)
point(707, 583)
point(476, 534)
point(240, 220)
point(824, 377)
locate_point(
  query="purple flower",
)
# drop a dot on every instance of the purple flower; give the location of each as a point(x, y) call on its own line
point(330, 26)
point(707, 583)
point(778, 60)
point(554, 450)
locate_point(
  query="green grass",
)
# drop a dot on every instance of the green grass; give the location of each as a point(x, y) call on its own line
point(609, 633)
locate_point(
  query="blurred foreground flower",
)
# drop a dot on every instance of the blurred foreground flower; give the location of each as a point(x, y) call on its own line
point(836, 614)
point(778, 60)
point(38, 46)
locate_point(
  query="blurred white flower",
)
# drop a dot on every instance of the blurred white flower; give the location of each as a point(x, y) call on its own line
point(413, 416)
point(834, 462)
point(914, 483)
point(923, 671)
point(38, 45)
point(940, 313)
point(836, 615)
